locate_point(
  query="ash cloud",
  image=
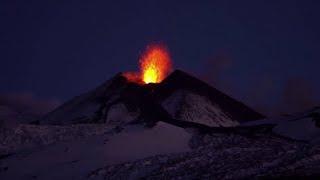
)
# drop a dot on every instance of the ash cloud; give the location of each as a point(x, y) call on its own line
point(24, 107)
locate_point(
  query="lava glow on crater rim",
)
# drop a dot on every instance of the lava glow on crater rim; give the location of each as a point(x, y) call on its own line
point(155, 65)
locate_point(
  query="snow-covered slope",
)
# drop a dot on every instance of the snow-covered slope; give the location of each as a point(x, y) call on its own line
point(14, 139)
point(179, 80)
point(223, 156)
point(163, 150)
point(300, 126)
point(73, 159)
point(188, 106)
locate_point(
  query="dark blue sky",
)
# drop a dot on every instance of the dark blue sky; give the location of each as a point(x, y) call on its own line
point(61, 49)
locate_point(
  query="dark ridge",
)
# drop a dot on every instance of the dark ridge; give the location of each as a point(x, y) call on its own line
point(181, 80)
point(98, 94)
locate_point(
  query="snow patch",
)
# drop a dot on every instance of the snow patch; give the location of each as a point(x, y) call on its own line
point(300, 126)
point(118, 114)
point(188, 106)
point(74, 160)
point(161, 139)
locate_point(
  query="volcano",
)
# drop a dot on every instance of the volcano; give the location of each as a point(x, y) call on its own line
point(179, 97)
point(180, 127)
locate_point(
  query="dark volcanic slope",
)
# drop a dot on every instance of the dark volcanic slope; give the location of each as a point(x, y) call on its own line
point(119, 101)
point(181, 80)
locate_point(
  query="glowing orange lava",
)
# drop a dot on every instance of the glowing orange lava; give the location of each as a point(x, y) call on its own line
point(155, 64)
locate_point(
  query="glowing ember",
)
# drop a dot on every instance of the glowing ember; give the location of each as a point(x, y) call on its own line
point(155, 64)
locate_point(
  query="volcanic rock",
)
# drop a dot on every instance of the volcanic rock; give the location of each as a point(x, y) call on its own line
point(178, 97)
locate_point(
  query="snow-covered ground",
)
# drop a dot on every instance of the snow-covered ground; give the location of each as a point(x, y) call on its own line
point(224, 156)
point(20, 137)
point(100, 151)
point(299, 126)
point(74, 159)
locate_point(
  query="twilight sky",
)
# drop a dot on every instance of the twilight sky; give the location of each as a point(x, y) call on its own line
point(257, 51)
